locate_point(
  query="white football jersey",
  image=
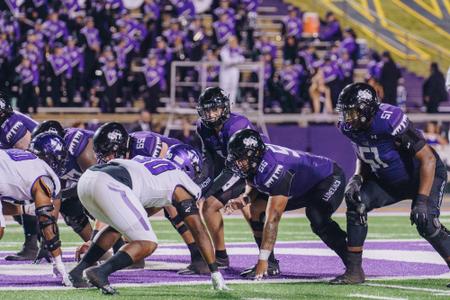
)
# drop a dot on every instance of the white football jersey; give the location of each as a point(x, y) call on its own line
point(154, 180)
point(20, 169)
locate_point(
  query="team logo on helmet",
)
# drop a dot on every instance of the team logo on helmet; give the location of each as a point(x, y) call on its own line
point(365, 95)
point(250, 141)
point(115, 135)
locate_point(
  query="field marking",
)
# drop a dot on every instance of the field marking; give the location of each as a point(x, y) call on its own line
point(365, 296)
point(408, 288)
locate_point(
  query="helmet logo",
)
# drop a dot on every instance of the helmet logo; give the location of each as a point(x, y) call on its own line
point(364, 95)
point(250, 141)
point(56, 145)
point(114, 135)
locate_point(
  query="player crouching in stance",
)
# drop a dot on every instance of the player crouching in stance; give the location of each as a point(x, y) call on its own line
point(291, 180)
point(121, 193)
point(394, 163)
point(32, 177)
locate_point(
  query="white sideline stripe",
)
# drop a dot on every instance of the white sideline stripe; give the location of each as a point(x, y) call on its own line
point(408, 288)
point(365, 296)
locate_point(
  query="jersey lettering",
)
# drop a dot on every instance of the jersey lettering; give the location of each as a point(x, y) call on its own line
point(375, 162)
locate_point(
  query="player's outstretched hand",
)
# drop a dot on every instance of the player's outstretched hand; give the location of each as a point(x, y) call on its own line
point(60, 270)
point(235, 204)
point(82, 250)
point(218, 282)
point(261, 269)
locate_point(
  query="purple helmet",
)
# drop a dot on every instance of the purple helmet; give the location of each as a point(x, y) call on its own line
point(186, 158)
point(50, 148)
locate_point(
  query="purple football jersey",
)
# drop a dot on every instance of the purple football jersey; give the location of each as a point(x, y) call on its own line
point(377, 148)
point(217, 142)
point(147, 143)
point(14, 128)
point(307, 170)
point(76, 140)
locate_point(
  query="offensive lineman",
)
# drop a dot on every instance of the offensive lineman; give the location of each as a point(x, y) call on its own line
point(287, 180)
point(393, 163)
point(215, 127)
point(122, 193)
point(15, 132)
point(32, 177)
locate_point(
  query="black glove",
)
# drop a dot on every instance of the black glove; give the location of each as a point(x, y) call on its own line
point(419, 211)
point(352, 189)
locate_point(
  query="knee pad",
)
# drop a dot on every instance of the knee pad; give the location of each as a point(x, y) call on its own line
point(176, 223)
point(186, 208)
point(45, 217)
point(76, 222)
point(438, 236)
point(358, 218)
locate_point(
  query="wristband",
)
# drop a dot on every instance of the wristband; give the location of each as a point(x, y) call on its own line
point(264, 254)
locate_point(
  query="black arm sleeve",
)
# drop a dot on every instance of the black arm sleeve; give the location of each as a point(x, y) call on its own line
point(411, 139)
point(283, 186)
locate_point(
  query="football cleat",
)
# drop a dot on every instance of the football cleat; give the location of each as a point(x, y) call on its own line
point(272, 270)
point(28, 252)
point(197, 266)
point(78, 281)
point(99, 280)
point(354, 274)
point(223, 263)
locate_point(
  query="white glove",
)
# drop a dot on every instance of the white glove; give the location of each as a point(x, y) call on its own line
point(60, 270)
point(218, 282)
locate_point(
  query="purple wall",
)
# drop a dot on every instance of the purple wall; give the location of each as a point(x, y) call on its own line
point(318, 139)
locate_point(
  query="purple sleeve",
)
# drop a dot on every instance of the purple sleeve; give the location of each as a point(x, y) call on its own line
point(77, 140)
point(394, 118)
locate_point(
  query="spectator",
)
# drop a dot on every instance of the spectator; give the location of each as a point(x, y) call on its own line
point(308, 57)
point(196, 37)
point(389, 77)
point(292, 24)
point(402, 94)
point(155, 82)
point(290, 49)
point(223, 30)
point(433, 136)
point(144, 123)
point(77, 64)
point(224, 8)
point(29, 79)
point(349, 45)
point(330, 30)
point(54, 29)
point(291, 78)
point(347, 65)
point(230, 55)
point(333, 78)
point(264, 46)
point(111, 78)
point(320, 94)
point(374, 66)
point(434, 91)
point(61, 73)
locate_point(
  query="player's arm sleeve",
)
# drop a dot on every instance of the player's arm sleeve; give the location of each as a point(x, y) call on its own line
point(87, 157)
point(406, 136)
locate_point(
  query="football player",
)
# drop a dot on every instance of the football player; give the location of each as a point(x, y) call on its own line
point(112, 140)
point(393, 163)
point(81, 156)
point(32, 177)
point(288, 180)
point(122, 193)
point(215, 127)
point(15, 132)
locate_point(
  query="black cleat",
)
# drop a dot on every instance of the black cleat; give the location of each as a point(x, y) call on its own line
point(354, 274)
point(78, 281)
point(28, 252)
point(272, 270)
point(42, 254)
point(223, 263)
point(98, 279)
point(197, 266)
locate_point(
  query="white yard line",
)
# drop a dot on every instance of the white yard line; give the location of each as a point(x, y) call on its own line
point(408, 288)
point(365, 296)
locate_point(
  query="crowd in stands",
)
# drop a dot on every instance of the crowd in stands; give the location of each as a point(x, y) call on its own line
point(57, 53)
